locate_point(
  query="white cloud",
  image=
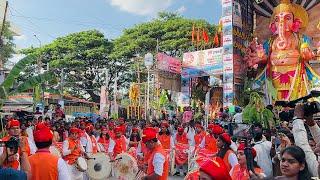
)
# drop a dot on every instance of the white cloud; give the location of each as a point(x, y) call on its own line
point(20, 37)
point(141, 7)
point(181, 9)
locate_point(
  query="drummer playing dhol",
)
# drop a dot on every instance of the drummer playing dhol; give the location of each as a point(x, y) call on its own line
point(45, 165)
point(158, 164)
point(72, 150)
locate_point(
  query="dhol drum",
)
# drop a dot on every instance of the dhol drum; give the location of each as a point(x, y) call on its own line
point(81, 164)
point(99, 166)
point(125, 167)
point(181, 154)
point(55, 151)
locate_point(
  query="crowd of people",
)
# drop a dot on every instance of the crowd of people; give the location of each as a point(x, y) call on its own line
point(48, 147)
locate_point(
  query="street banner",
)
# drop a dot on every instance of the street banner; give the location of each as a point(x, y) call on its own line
point(228, 70)
point(202, 63)
point(168, 63)
point(103, 101)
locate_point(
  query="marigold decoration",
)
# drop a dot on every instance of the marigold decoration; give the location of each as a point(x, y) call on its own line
point(134, 93)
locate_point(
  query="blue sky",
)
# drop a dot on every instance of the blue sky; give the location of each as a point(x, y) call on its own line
point(49, 19)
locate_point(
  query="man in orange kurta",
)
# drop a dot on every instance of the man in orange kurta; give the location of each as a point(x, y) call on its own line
point(158, 164)
point(72, 149)
point(120, 142)
point(45, 165)
point(181, 151)
point(14, 130)
point(200, 134)
point(209, 142)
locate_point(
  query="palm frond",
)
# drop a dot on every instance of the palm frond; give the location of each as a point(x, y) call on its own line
point(16, 70)
point(33, 81)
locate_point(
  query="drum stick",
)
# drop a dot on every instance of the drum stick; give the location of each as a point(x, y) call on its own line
point(116, 159)
point(137, 174)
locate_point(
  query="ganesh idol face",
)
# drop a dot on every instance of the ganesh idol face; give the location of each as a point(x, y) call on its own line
point(284, 21)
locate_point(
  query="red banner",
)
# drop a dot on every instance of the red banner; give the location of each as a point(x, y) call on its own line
point(168, 63)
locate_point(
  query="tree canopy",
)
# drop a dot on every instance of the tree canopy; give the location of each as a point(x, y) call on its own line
point(172, 31)
point(82, 54)
point(81, 57)
point(6, 44)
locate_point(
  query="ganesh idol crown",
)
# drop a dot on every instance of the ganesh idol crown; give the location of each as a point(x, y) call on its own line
point(285, 55)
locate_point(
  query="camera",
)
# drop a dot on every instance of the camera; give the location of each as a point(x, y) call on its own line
point(13, 144)
point(310, 108)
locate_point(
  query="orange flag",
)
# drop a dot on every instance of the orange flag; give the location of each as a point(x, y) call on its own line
point(216, 40)
point(198, 35)
point(205, 36)
point(193, 33)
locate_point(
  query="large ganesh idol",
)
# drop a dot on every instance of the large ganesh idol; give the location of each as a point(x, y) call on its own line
point(286, 53)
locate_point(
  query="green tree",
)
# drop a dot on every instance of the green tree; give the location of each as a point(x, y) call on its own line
point(172, 31)
point(81, 56)
point(6, 43)
point(169, 33)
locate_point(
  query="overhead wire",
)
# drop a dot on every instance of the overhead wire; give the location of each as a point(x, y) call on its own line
point(102, 24)
point(12, 9)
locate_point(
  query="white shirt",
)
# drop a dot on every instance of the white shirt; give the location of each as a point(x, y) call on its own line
point(233, 160)
point(65, 148)
point(89, 146)
point(190, 135)
point(301, 139)
point(32, 144)
point(111, 145)
point(237, 118)
point(63, 171)
point(158, 162)
point(263, 157)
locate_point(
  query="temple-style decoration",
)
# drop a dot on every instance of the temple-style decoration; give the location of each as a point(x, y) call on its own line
point(285, 55)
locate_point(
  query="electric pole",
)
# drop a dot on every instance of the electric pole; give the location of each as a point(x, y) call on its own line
point(107, 93)
point(1, 40)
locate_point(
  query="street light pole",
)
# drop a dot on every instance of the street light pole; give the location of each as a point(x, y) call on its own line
point(148, 94)
point(148, 62)
point(39, 63)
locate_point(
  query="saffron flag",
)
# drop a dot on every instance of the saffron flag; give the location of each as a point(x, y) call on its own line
point(193, 33)
point(198, 35)
point(216, 40)
point(205, 36)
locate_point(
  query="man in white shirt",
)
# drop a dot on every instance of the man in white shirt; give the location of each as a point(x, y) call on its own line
point(263, 149)
point(237, 118)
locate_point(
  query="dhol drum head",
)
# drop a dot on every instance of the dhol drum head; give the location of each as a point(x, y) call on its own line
point(82, 164)
point(125, 167)
point(99, 166)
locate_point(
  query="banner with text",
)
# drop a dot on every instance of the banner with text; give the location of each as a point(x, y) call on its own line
point(202, 63)
point(168, 63)
point(228, 71)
